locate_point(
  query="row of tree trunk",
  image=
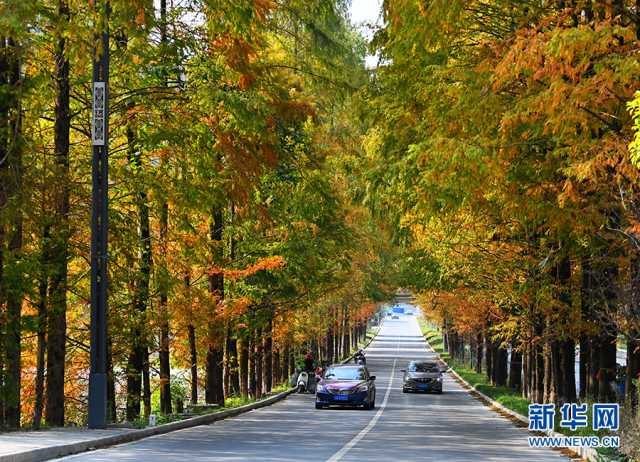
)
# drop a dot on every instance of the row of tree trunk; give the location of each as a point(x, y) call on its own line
point(52, 286)
point(10, 234)
point(542, 362)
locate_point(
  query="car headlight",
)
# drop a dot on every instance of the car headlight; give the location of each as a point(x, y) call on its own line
point(440, 379)
point(321, 389)
point(362, 388)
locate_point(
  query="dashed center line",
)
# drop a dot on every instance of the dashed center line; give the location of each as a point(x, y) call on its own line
point(341, 453)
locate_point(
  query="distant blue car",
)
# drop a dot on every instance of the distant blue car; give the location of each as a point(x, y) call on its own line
point(346, 385)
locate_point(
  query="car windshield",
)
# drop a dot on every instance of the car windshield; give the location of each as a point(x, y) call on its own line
point(345, 373)
point(424, 367)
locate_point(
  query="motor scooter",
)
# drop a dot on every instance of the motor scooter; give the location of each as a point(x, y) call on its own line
point(303, 382)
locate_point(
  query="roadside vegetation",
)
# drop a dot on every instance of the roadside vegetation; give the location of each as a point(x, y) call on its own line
point(269, 191)
point(510, 398)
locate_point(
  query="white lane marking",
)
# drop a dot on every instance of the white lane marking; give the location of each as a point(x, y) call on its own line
point(340, 454)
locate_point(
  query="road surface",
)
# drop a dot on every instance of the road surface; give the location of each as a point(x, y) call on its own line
point(450, 427)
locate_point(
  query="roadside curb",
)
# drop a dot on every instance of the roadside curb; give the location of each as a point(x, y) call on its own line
point(588, 454)
point(53, 452)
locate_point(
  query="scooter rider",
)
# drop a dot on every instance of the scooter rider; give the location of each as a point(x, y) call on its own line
point(359, 358)
point(308, 362)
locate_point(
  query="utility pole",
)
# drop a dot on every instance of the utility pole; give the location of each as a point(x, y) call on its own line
point(99, 220)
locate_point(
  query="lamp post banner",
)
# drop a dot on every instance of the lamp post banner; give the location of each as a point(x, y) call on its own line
point(99, 114)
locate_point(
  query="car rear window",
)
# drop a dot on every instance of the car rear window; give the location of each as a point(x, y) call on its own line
point(345, 373)
point(424, 367)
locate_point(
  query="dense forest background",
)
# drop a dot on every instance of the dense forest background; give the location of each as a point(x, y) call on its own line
point(268, 191)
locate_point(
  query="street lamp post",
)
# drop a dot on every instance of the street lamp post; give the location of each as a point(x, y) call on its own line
point(99, 222)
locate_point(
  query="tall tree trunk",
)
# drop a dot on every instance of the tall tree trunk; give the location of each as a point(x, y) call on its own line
point(57, 322)
point(134, 378)
point(214, 391)
point(267, 348)
point(231, 372)
point(337, 339)
point(557, 385)
point(568, 368)
point(43, 285)
point(292, 360)
point(585, 338)
point(40, 363)
point(285, 373)
point(243, 363)
point(275, 367)
point(515, 369)
point(345, 332)
point(193, 350)
point(231, 360)
point(137, 364)
point(608, 337)
point(589, 356)
point(9, 180)
point(226, 362)
point(538, 363)
point(251, 366)
point(526, 372)
point(330, 344)
point(258, 364)
point(565, 353)
point(13, 291)
point(593, 384)
point(479, 347)
point(165, 365)
point(583, 366)
point(500, 366)
point(488, 356)
point(146, 384)
point(548, 375)
point(607, 373)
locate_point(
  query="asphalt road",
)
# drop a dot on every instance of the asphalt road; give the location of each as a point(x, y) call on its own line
point(404, 427)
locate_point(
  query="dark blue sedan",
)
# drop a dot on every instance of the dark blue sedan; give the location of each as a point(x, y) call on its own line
point(346, 385)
